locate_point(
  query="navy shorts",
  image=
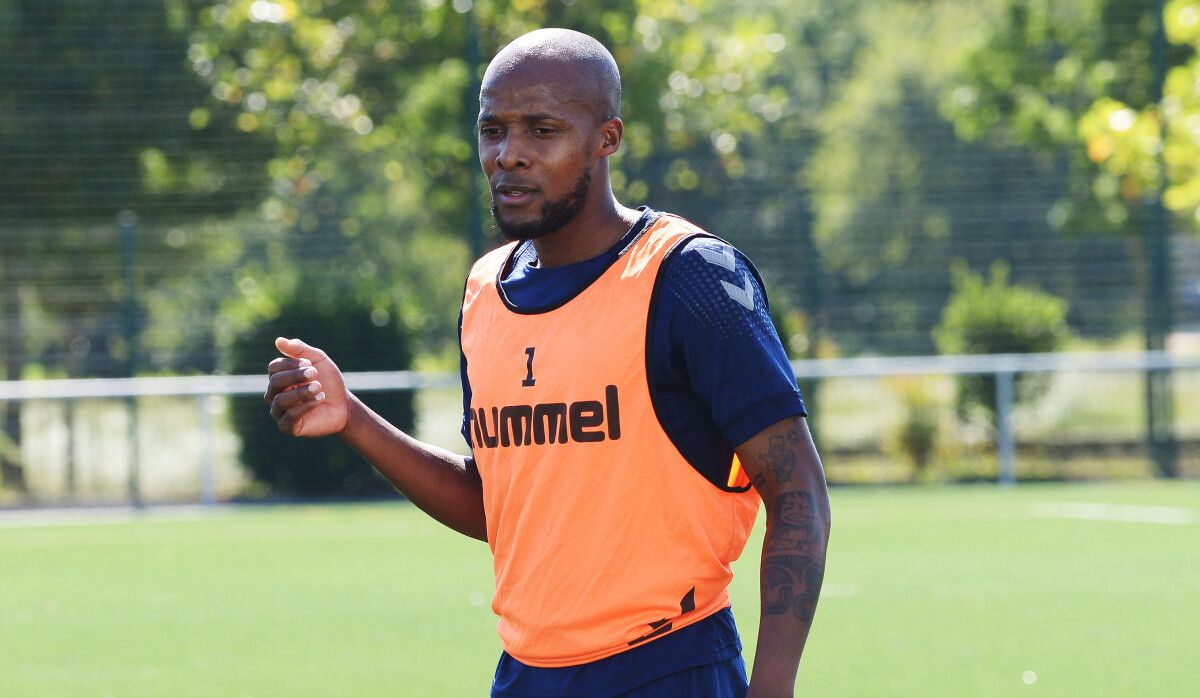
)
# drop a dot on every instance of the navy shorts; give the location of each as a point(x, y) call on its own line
point(698, 661)
point(725, 679)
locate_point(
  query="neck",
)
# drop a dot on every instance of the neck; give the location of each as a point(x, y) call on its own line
point(598, 226)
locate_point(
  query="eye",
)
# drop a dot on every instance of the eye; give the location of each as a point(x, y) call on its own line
point(489, 131)
point(544, 130)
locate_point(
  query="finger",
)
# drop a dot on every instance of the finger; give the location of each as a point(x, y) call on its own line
point(287, 380)
point(299, 350)
point(285, 401)
point(290, 419)
point(286, 364)
point(284, 381)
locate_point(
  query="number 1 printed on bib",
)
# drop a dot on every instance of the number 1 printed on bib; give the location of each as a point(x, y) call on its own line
point(529, 381)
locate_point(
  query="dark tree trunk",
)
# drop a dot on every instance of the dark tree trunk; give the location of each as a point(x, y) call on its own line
point(12, 474)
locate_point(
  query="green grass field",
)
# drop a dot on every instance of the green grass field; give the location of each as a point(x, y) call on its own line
point(1046, 590)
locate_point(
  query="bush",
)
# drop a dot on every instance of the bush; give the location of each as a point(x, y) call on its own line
point(916, 436)
point(998, 318)
point(349, 333)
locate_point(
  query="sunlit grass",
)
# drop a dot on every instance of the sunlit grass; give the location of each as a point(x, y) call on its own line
point(953, 591)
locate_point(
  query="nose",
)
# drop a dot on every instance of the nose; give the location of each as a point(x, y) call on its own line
point(510, 153)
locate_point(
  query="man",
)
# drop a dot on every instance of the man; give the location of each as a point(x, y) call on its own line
point(627, 403)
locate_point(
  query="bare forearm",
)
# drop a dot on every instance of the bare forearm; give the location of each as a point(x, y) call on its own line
point(793, 566)
point(784, 466)
point(443, 484)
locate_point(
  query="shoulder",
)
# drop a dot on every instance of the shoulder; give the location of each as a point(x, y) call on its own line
point(486, 269)
point(716, 284)
point(709, 252)
point(702, 253)
point(491, 262)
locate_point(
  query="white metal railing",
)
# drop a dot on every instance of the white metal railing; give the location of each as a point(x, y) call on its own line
point(857, 367)
point(1005, 368)
point(199, 386)
point(870, 366)
point(205, 388)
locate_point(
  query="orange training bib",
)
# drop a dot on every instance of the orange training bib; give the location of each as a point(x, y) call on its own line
point(603, 535)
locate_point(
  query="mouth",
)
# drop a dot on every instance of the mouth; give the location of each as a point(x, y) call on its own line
point(512, 194)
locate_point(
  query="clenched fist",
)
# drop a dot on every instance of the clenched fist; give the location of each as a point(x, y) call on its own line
point(305, 391)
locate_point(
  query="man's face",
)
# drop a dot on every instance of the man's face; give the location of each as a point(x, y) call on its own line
point(537, 141)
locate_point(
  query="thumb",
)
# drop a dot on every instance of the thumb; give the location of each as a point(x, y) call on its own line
point(297, 349)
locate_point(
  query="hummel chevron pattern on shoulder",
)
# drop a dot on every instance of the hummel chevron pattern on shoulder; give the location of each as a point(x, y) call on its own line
point(744, 295)
point(724, 258)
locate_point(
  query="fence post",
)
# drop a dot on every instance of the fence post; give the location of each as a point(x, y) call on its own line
point(127, 224)
point(1159, 318)
point(1006, 446)
point(208, 486)
point(135, 475)
point(72, 464)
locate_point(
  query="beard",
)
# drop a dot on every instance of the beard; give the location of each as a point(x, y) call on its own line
point(552, 216)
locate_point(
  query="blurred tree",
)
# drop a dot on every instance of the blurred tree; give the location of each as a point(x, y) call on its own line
point(1039, 68)
point(91, 124)
point(1090, 78)
point(370, 107)
point(367, 106)
point(1141, 144)
point(742, 110)
point(898, 195)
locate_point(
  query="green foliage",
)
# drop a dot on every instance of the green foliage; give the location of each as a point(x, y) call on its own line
point(370, 109)
point(994, 317)
point(82, 103)
point(897, 195)
point(94, 101)
point(315, 137)
point(871, 177)
point(358, 338)
point(1135, 143)
point(792, 326)
point(916, 436)
point(1081, 75)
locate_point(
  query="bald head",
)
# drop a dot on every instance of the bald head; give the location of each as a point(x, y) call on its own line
point(575, 60)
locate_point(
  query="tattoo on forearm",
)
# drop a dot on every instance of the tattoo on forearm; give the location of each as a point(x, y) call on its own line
point(792, 566)
point(791, 583)
point(780, 458)
point(795, 522)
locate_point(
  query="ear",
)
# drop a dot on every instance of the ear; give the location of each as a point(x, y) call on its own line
point(611, 133)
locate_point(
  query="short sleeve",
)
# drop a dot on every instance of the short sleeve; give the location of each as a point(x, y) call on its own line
point(716, 357)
